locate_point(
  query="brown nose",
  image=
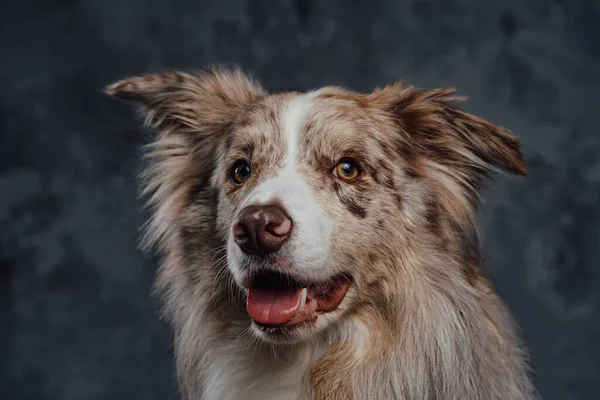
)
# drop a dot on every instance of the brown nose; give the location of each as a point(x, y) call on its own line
point(262, 230)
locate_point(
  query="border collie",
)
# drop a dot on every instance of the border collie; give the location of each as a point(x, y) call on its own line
point(323, 245)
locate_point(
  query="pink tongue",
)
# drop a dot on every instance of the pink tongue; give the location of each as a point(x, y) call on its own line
point(273, 307)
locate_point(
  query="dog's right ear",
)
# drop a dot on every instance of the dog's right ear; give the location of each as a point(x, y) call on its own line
point(195, 104)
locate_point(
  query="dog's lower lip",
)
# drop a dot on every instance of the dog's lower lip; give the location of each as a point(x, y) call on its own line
point(283, 329)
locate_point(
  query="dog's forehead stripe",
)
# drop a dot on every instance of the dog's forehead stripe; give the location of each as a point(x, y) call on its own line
point(294, 119)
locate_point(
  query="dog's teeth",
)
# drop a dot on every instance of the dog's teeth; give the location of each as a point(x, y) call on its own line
point(302, 299)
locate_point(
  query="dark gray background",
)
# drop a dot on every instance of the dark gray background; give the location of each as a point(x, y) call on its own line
point(76, 319)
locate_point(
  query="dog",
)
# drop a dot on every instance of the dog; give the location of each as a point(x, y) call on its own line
point(324, 245)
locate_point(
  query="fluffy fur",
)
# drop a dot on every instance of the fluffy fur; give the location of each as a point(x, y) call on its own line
point(421, 320)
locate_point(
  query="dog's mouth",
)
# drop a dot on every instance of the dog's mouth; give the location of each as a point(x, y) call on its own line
point(279, 300)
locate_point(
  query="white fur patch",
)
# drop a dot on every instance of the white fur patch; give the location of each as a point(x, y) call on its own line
point(243, 371)
point(309, 246)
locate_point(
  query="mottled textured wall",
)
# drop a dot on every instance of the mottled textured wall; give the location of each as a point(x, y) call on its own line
point(76, 319)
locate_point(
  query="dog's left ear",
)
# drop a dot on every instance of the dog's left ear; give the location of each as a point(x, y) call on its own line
point(445, 134)
point(451, 148)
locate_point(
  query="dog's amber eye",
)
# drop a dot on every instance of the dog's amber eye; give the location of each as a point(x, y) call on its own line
point(241, 172)
point(346, 170)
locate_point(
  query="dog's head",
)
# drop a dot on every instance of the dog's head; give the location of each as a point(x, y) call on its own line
point(320, 199)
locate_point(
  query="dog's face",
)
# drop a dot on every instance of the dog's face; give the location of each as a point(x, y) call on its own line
point(316, 197)
point(306, 185)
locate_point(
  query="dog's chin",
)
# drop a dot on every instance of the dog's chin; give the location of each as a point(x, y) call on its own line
point(295, 334)
point(285, 309)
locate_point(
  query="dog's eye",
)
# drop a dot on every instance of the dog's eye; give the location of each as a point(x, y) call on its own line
point(241, 172)
point(346, 170)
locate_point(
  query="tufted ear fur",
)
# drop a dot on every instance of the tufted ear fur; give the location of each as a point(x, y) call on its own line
point(197, 105)
point(191, 115)
point(453, 148)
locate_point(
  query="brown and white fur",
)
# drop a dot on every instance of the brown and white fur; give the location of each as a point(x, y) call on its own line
point(420, 320)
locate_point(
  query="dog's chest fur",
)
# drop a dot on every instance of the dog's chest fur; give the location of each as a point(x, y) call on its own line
point(243, 371)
